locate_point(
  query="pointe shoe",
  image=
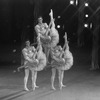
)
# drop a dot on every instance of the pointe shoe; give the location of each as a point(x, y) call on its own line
point(36, 86)
point(26, 89)
point(61, 86)
point(53, 88)
point(50, 13)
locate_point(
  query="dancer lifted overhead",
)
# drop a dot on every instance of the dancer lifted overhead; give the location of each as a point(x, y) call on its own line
point(48, 35)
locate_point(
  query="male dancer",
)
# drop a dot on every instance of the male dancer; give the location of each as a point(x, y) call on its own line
point(42, 30)
point(29, 53)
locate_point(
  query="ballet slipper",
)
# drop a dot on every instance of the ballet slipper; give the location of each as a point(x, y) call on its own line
point(36, 86)
point(26, 89)
point(53, 88)
point(61, 86)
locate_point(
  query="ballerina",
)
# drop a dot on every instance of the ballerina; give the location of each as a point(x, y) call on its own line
point(60, 66)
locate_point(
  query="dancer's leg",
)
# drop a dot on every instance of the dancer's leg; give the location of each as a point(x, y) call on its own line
point(46, 52)
point(61, 76)
point(53, 78)
point(26, 79)
point(52, 19)
point(35, 76)
point(51, 15)
point(33, 79)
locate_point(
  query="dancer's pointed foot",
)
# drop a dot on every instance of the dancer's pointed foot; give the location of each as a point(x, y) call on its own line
point(36, 86)
point(26, 89)
point(51, 13)
point(61, 86)
point(53, 88)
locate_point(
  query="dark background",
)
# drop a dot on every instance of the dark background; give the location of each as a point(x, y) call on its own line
point(17, 24)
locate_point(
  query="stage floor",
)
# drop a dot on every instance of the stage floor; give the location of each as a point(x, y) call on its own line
point(81, 83)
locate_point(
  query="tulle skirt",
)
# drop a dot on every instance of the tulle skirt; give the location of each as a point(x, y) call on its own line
point(30, 65)
point(52, 40)
point(46, 40)
point(37, 66)
point(64, 65)
point(41, 65)
point(42, 61)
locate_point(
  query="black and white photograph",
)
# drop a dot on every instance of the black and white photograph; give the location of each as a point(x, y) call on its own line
point(49, 49)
